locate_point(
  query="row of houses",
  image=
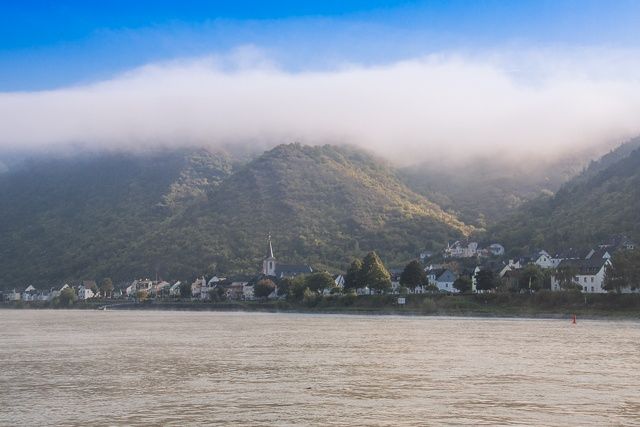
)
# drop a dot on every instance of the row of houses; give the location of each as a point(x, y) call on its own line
point(83, 291)
point(589, 269)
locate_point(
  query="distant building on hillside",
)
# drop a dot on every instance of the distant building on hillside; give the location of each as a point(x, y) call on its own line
point(461, 250)
point(496, 249)
point(619, 242)
point(271, 267)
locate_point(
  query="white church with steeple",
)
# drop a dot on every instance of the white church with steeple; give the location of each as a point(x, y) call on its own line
point(270, 267)
point(269, 262)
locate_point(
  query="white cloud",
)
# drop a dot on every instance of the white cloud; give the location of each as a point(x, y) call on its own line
point(439, 105)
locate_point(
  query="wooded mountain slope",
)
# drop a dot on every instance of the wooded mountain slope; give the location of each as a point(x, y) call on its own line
point(602, 201)
point(183, 213)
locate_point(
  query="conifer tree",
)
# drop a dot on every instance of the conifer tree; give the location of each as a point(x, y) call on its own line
point(413, 275)
point(374, 273)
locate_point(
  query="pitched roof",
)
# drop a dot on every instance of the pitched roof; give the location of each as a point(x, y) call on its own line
point(286, 269)
point(599, 253)
point(588, 267)
point(572, 253)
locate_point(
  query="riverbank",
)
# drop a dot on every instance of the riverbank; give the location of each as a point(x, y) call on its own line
point(539, 305)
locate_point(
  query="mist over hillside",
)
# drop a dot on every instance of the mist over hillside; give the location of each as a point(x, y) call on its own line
point(600, 202)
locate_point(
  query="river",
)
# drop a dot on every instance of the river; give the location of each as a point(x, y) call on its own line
point(193, 368)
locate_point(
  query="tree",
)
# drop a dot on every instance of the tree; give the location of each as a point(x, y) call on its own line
point(623, 272)
point(413, 275)
point(264, 288)
point(318, 282)
point(217, 294)
point(285, 285)
point(67, 297)
point(374, 273)
point(106, 287)
point(185, 290)
point(485, 280)
point(93, 287)
point(532, 278)
point(566, 277)
point(353, 278)
point(298, 288)
point(463, 284)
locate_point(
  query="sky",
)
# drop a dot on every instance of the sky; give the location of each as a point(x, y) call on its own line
point(457, 77)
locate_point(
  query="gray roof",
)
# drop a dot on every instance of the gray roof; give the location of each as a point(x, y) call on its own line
point(292, 269)
point(589, 266)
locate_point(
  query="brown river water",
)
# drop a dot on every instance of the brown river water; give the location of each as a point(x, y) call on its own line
point(103, 368)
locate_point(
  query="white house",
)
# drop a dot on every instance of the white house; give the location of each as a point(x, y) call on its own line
point(30, 294)
point(590, 274)
point(196, 287)
point(139, 285)
point(443, 278)
point(13, 296)
point(247, 291)
point(543, 260)
point(174, 290)
point(85, 293)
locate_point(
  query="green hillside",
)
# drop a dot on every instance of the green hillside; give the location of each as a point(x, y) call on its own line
point(183, 213)
point(484, 190)
point(602, 201)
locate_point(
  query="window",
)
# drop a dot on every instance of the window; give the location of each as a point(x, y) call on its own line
point(592, 290)
point(592, 280)
point(586, 289)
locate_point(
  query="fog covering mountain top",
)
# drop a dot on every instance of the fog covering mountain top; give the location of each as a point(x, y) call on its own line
point(187, 212)
point(532, 104)
point(600, 202)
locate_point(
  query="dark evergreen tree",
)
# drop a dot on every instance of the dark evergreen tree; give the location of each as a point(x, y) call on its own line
point(375, 274)
point(485, 280)
point(463, 284)
point(353, 278)
point(413, 275)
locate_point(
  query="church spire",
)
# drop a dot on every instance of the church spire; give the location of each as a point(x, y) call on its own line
point(270, 248)
point(269, 263)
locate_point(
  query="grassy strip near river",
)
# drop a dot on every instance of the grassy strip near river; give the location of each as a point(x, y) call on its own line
point(540, 304)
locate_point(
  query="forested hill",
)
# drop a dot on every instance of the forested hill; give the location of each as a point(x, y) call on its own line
point(602, 201)
point(187, 212)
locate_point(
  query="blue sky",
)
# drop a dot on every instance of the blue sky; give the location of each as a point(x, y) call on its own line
point(458, 78)
point(52, 44)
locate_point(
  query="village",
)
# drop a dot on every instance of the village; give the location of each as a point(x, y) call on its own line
point(462, 267)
